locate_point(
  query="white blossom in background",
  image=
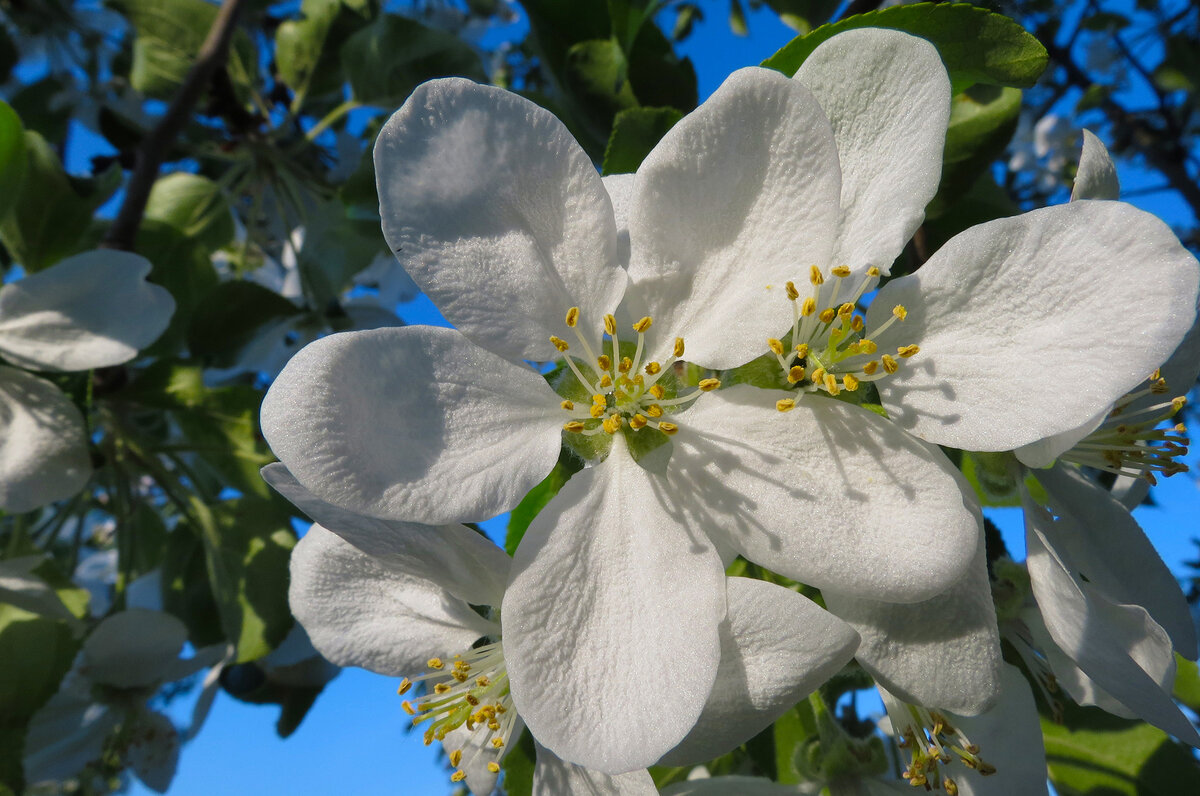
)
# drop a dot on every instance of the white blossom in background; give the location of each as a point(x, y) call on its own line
point(123, 663)
point(91, 310)
point(501, 219)
point(1044, 149)
point(400, 599)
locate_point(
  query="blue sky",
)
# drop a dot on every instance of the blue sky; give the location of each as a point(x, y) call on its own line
point(354, 742)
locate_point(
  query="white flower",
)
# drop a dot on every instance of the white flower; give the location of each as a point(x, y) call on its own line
point(92, 310)
point(20, 587)
point(123, 663)
point(398, 598)
point(501, 219)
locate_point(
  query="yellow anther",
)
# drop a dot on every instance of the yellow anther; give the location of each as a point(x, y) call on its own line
point(818, 376)
point(808, 307)
point(568, 405)
point(458, 776)
point(1178, 403)
point(1158, 386)
point(572, 317)
point(668, 428)
point(575, 426)
point(1156, 375)
point(456, 757)
point(497, 742)
point(889, 364)
point(610, 325)
point(654, 410)
point(831, 384)
point(435, 663)
point(785, 404)
point(814, 275)
point(1180, 428)
point(625, 364)
point(857, 323)
point(870, 367)
point(604, 362)
point(678, 346)
point(599, 399)
point(637, 421)
point(652, 368)
point(559, 343)
point(441, 688)
point(405, 684)
point(907, 351)
point(796, 374)
point(493, 725)
point(841, 271)
point(708, 385)
point(597, 410)
point(792, 293)
point(493, 767)
point(643, 324)
point(606, 380)
point(408, 708)
point(846, 310)
point(872, 271)
point(802, 350)
point(899, 311)
point(612, 424)
point(850, 383)
point(657, 391)
point(866, 346)
point(827, 315)
point(776, 346)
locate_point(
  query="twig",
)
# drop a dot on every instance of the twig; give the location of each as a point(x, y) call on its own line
point(154, 148)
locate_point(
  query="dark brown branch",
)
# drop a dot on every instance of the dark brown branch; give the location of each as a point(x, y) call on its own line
point(153, 150)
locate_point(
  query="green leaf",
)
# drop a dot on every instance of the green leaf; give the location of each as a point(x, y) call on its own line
point(247, 545)
point(537, 498)
point(169, 36)
point(636, 131)
point(982, 121)
point(804, 15)
point(52, 212)
point(336, 247)
point(230, 316)
point(306, 49)
point(597, 73)
point(40, 107)
point(976, 45)
point(181, 265)
point(1094, 753)
point(186, 590)
point(1180, 68)
point(1187, 682)
point(390, 57)
point(194, 206)
point(222, 429)
point(12, 157)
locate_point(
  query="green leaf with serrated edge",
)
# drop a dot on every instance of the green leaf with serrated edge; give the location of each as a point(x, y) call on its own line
point(12, 157)
point(390, 57)
point(35, 653)
point(977, 46)
point(1187, 682)
point(194, 206)
point(982, 121)
point(229, 318)
point(1094, 753)
point(636, 131)
point(52, 213)
point(518, 766)
point(537, 498)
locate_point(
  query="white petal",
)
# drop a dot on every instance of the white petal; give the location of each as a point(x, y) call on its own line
point(67, 732)
point(620, 193)
point(1067, 674)
point(887, 96)
point(43, 449)
point(555, 777)
point(828, 494)
point(133, 648)
point(1097, 176)
point(1010, 738)
point(498, 215)
point(1044, 452)
point(943, 653)
point(358, 611)
point(777, 646)
point(413, 424)
point(454, 557)
point(734, 200)
point(89, 311)
point(1094, 295)
point(20, 587)
point(1114, 645)
point(611, 619)
point(154, 751)
point(733, 786)
point(1096, 536)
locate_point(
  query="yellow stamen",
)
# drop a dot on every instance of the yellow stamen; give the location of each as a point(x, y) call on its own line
point(908, 350)
point(572, 317)
point(612, 424)
point(568, 405)
point(668, 428)
point(849, 382)
point(818, 376)
point(610, 325)
point(654, 410)
point(652, 368)
point(559, 343)
point(899, 311)
point(678, 346)
point(604, 362)
point(870, 367)
point(405, 684)
point(643, 324)
point(441, 688)
point(831, 385)
point(606, 380)
point(827, 315)
point(458, 776)
point(809, 306)
point(846, 310)
point(599, 399)
point(814, 275)
point(456, 757)
point(638, 421)
point(657, 391)
point(408, 708)
point(872, 271)
point(575, 426)
point(598, 410)
point(792, 293)
point(435, 663)
point(841, 271)
point(857, 323)
point(802, 350)
point(493, 767)
point(785, 404)
point(776, 346)
point(625, 365)
point(889, 364)
point(796, 374)
point(708, 385)
point(497, 742)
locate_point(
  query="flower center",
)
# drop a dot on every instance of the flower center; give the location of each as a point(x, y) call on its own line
point(624, 390)
point(1135, 442)
point(472, 690)
point(829, 349)
point(931, 742)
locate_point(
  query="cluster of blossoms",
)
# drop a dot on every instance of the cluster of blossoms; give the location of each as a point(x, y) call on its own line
point(760, 223)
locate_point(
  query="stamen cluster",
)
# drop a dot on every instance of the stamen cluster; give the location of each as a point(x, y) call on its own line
point(829, 349)
point(471, 689)
point(931, 742)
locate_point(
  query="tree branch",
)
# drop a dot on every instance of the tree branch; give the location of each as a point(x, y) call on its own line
point(153, 150)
